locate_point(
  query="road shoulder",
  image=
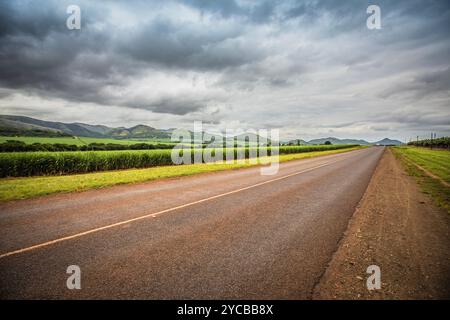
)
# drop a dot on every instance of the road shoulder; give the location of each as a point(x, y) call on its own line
point(399, 229)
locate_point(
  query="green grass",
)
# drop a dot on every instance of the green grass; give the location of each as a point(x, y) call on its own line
point(437, 162)
point(80, 141)
point(30, 187)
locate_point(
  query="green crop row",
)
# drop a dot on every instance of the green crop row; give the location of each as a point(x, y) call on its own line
point(21, 164)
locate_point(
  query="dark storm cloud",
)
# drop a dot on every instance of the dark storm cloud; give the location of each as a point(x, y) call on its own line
point(172, 105)
point(163, 43)
point(40, 55)
point(33, 21)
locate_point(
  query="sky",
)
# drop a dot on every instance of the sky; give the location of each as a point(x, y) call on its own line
point(309, 68)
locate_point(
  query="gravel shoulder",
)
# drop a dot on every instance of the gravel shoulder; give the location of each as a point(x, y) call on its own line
point(399, 229)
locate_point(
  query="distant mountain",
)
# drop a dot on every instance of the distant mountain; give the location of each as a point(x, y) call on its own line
point(22, 126)
point(19, 125)
point(296, 142)
point(26, 126)
point(99, 129)
point(387, 142)
point(10, 127)
point(138, 132)
point(384, 142)
point(11, 124)
point(249, 137)
point(339, 141)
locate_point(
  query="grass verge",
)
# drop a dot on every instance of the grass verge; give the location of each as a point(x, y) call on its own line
point(436, 163)
point(30, 187)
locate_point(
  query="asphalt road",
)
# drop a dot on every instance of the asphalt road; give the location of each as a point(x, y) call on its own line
point(231, 234)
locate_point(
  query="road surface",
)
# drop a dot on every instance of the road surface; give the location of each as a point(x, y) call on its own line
point(225, 235)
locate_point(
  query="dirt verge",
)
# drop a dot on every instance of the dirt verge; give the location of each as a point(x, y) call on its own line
point(399, 229)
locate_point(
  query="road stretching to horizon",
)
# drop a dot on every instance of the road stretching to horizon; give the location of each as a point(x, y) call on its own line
point(224, 235)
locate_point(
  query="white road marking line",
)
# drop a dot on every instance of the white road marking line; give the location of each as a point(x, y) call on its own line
point(155, 214)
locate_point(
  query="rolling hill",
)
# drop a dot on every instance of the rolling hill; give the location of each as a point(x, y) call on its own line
point(25, 126)
point(300, 142)
point(384, 142)
point(388, 142)
point(19, 125)
point(339, 141)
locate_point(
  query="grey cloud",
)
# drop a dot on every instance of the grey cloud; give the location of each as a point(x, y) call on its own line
point(34, 21)
point(279, 72)
point(223, 8)
point(312, 60)
point(40, 55)
point(256, 12)
point(424, 84)
point(172, 105)
point(169, 45)
point(416, 117)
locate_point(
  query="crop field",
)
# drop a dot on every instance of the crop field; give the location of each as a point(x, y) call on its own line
point(20, 164)
point(30, 187)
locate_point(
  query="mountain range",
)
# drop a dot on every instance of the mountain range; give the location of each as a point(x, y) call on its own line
point(22, 126)
point(333, 140)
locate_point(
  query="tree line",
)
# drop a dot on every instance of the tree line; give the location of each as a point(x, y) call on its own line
point(443, 143)
point(20, 146)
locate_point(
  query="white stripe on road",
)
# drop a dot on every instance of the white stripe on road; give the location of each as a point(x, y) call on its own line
point(155, 214)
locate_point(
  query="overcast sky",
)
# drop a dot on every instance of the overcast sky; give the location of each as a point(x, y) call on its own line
point(310, 68)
